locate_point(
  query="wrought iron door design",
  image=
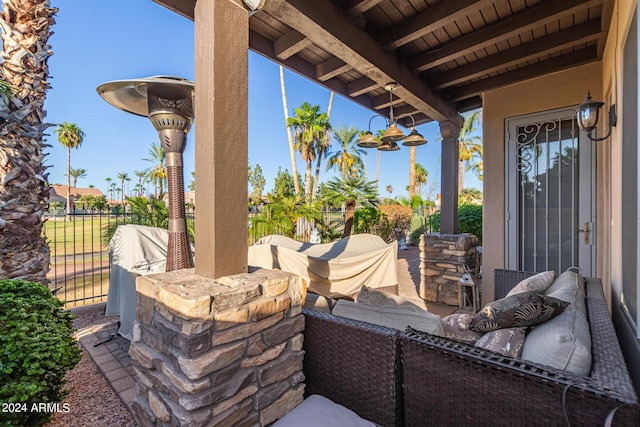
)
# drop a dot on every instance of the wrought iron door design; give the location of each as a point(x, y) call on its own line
point(549, 194)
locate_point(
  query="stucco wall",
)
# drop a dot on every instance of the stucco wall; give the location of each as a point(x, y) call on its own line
point(562, 89)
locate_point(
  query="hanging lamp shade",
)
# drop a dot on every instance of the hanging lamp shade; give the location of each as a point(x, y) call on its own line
point(414, 139)
point(368, 140)
point(392, 134)
point(388, 146)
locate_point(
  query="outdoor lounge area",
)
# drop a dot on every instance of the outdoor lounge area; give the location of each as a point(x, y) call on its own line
point(390, 376)
point(540, 327)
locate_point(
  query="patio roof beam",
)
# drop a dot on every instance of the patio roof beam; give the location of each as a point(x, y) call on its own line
point(536, 16)
point(327, 28)
point(579, 57)
point(290, 44)
point(358, 7)
point(265, 47)
point(331, 68)
point(555, 42)
point(431, 19)
point(361, 86)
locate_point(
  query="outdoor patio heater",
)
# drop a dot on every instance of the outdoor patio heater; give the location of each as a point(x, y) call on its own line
point(168, 102)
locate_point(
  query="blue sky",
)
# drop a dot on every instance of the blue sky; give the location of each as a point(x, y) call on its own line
point(96, 41)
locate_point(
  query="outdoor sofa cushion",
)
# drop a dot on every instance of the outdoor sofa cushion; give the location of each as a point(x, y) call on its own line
point(519, 310)
point(563, 342)
point(318, 411)
point(319, 302)
point(395, 318)
point(378, 298)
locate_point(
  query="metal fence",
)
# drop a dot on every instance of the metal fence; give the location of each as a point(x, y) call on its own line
point(80, 268)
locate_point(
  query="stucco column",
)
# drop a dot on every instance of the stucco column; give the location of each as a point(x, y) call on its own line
point(221, 109)
point(449, 178)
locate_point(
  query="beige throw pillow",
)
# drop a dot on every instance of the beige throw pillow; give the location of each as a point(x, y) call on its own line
point(539, 283)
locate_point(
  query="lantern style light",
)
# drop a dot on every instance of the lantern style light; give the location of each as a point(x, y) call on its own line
point(588, 114)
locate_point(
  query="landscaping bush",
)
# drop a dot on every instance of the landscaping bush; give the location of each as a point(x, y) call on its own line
point(36, 350)
point(399, 218)
point(469, 220)
point(365, 220)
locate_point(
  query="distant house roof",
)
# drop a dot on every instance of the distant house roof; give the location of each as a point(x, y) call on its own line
point(76, 192)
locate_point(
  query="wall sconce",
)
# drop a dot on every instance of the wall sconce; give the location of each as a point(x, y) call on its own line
point(388, 141)
point(588, 113)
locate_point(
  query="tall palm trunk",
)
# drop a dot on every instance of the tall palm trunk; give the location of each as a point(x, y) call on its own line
point(68, 180)
point(320, 153)
point(412, 172)
point(292, 150)
point(348, 218)
point(24, 252)
point(460, 175)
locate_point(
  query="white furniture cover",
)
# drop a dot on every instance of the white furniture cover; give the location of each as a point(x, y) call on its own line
point(331, 269)
point(134, 250)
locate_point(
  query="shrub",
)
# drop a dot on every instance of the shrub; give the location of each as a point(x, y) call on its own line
point(365, 220)
point(469, 220)
point(36, 350)
point(399, 218)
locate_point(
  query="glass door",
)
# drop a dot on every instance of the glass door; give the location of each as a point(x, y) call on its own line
point(550, 186)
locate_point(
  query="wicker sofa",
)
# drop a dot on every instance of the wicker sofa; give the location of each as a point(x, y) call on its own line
point(413, 378)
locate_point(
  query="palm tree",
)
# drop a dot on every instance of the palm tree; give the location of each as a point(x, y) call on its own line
point(25, 32)
point(159, 172)
point(77, 173)
point(69, 136)
point(312, 130)
point(389, 190)
point(123, 176)
point(412, 171)
point(140, 175)
point(292, 150)
point(321, 149)
point(476, 164)
point(421, 177)
point(346, 159)
point(350, 191)
point(469, 144)
point(108, 179)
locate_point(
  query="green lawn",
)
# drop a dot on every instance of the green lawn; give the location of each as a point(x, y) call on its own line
point(78, 235)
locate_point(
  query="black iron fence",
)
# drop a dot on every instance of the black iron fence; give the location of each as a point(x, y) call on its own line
point(80, 270)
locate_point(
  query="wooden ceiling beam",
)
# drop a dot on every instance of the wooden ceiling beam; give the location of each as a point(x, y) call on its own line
point(181, 7)
point(555, 42)
point(290, 44)
point(536, 16)
point(327, 28)
point(331, 68)
point(358, 7)
point(580, 57)
point(361, 86)
point(263, 46)
point(431, 19)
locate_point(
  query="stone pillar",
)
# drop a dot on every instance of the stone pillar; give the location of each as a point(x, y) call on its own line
point(443, 258)
point(217, 352)
point(449, 177)
point(221, 30)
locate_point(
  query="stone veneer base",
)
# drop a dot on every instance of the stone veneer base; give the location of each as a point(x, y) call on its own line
point(217, 352)
point(443, 258)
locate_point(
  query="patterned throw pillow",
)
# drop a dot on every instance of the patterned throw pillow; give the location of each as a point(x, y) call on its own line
point(456, 327)
point(508, 342)
point(519, 310)
point(539, 282)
